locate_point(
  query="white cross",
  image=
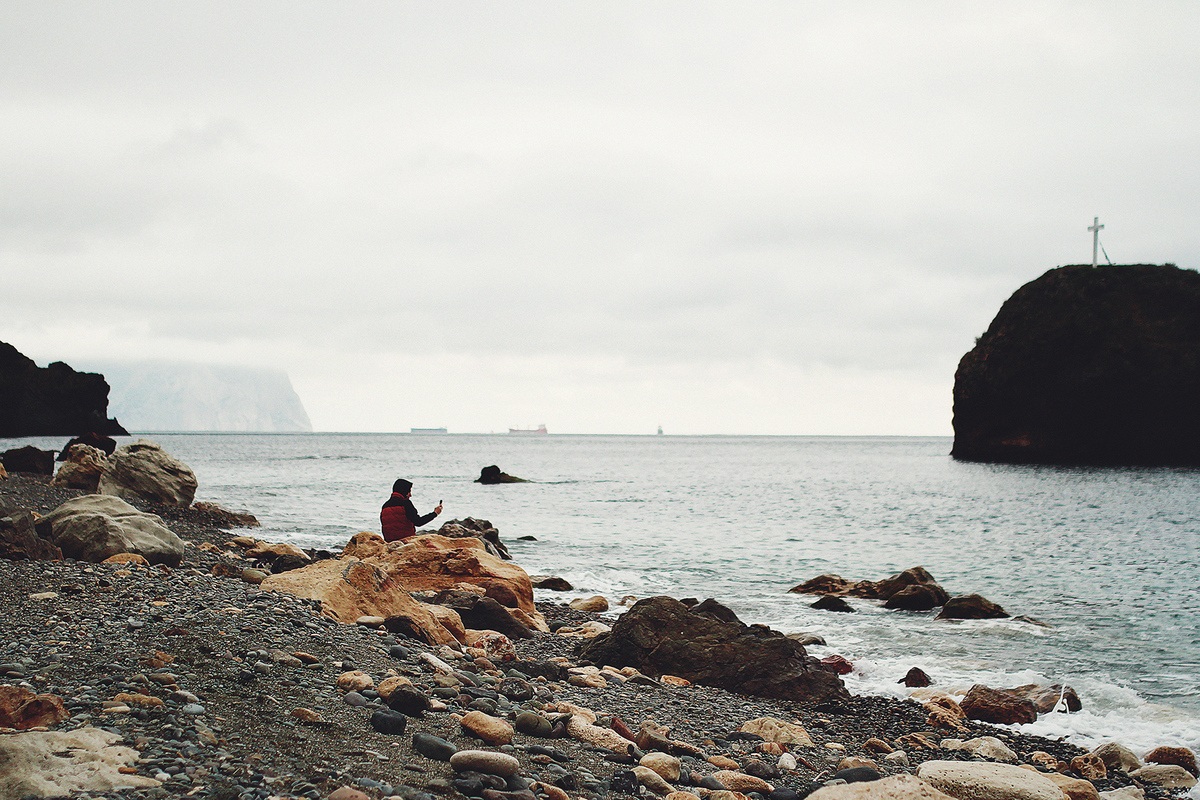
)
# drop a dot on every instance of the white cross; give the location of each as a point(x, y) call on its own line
point(1095, 228)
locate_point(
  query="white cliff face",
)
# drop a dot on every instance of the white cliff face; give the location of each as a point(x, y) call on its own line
point(177, 396)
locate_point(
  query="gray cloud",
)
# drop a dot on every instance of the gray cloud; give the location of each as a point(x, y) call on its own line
point(779, 217)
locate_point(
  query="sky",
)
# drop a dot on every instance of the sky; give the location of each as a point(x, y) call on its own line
point(717, 217)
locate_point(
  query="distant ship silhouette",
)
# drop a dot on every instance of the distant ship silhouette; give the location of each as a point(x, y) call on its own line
point(540, 430)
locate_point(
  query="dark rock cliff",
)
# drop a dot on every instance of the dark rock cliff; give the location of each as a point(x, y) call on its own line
point(51, 401)
point(1087, 366)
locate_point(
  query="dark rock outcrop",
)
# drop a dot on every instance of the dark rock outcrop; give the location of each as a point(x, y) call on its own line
point(51, 401)
point(1086, 366)
point(28, 459)
point(971, 606)
point(662, 636)
point(492, 475)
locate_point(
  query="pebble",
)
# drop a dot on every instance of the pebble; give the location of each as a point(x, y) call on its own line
point(487, 761)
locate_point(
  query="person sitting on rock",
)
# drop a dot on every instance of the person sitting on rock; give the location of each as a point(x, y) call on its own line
point(398, 517)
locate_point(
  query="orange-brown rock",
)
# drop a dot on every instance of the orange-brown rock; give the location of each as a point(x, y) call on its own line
point(997, 706)
point(433, 562)
point(22, 709)
point(1179, 756)
point(349, 588)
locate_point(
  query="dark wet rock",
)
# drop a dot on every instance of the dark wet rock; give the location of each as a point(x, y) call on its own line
point(480, 529)
point(971, 606)
point(831, 603)
point(660, 635)
point(551, 582)
point(915, 677)
point(28, 459)
point(917, 597)
point(433, 747)
point(1047, 698)
point(1086, 366)
point(857, 775)
point(409, 701)
point(388, 721)
point(837, 665)
point(492, 475)
point(105, 444)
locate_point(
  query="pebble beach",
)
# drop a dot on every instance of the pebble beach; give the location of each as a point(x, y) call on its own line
point(206, 686)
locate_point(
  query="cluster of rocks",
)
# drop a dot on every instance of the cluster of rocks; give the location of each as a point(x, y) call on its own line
point(218, 677)
point(914, 589)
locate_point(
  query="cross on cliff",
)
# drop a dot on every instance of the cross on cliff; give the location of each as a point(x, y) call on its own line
point(1095, 228)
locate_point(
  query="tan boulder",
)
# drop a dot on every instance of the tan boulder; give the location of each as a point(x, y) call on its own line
point(492, 730)
point(433, 562)
point(349, 589)
point(665, 764)
point(741, 782)
point(595, 604)
point(1089, 767)
point(988, 781)
point(1168, 776)
point(1117, 757)
point(82, 469)
point(355, 681)
point(1074, 788)
point(776, 730)
point(897, 787)
point(652, 781)
point(273, 550)
point(143, 470)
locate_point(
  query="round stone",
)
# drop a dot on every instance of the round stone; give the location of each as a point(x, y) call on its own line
point(485, 761)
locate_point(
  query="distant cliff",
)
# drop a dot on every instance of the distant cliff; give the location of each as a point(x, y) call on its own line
point(1087, 366)
point(180, 396)
point(51, 401)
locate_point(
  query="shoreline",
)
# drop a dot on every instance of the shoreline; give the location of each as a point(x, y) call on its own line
point(225, 724)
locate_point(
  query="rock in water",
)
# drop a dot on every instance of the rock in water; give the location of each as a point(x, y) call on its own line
point(660, 635)
point(1086, 366)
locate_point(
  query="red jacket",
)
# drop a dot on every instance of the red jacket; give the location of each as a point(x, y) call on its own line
point(399, 519)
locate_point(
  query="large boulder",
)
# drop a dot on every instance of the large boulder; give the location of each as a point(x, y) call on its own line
point(998, 706)
point(432, 562)
point(662, 636)
point(143, 470)
point(83, 762)
point(349, 588)
point(51, 401)
point(82, 467)
point(28, 459)
point(374, 578)
point(480, 529)
point(987, 781)
point(93, 527)
point(22, 709)
point(19, 539)
point(1086, 366)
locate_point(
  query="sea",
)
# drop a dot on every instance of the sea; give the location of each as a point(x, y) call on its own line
point(1100, 567)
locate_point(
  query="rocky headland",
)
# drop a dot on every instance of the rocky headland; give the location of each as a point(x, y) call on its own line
point(51, 401)
point(1086, 366)
point(242, 669)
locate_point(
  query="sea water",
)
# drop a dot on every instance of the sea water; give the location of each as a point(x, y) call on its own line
point(1106, 562)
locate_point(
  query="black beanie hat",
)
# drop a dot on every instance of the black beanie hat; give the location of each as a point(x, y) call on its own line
point(401, 486)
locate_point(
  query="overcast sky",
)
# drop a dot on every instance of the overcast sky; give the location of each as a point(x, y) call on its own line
point(742, 217)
